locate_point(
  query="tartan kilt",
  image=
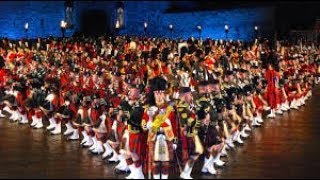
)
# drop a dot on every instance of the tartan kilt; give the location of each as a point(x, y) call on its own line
point(278, 96)
point(22, 110)
point(38, 113)
point(217, 148)
point(265, 96)
point(283, 99)
point(259, 104)
point(149, 157)
point(191, 146)
point(272, 100)
point(20, 99)
point(297, 96)
point(102, 136)
point(304, 93)
point(137, 144)
point(102, 94)
point(121, 127)
point(66, 120)
point(290, 96)
point(30, 113)
point(183, 147)
point(2, 94)
point(211, 138)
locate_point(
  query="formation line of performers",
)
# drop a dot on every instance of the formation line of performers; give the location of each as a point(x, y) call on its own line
point(154, 106)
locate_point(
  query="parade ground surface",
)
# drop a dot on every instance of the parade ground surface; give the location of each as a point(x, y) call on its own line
point(284, 147)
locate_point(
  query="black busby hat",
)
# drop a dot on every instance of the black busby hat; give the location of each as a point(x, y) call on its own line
point(158, 83)
point(154, 52)
point(217, 73)
point(220, 103)
point(207, 50)
point(214, 81)
point(240, 92)
point(86, 73)
point(243, 71)
point(247, 90)
point(203, 83)
point(202, 112)
point(198, 52)
point(232, 91)
point(1, 62)
point(127, 57)
point(255, 67)
point(165, 52)
point(36, 83)
point(255, 80)
point(282, 82)
point(145, 55)
point(201, 60)
point(99, 73)
point(229, 73)
point(76, 70)
point(37, 58)
point(184, 90)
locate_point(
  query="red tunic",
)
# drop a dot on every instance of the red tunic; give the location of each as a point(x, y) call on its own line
point(272, 90)
point(64, 80)
point(3, 77)
point(94, 115)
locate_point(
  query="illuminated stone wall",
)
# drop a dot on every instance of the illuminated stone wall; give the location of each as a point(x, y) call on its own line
point(44, 19)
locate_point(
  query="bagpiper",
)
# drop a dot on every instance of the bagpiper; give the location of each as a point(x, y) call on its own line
point(134, 154)
point(160, 122)
point(191, 146)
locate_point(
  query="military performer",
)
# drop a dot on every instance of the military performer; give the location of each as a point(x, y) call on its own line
point(188, 133)
point(272, 78)
point(38, 98)
point(119, 139)
point(94, 114)
point(82, 120)
point(160, 122)
point(3, 79)
point(50, 107)
point(65, 112)
point(208, 131)
point(218, 107)
point(134, 155)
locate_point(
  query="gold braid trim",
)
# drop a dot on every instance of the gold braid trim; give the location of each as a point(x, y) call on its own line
point(161, 118)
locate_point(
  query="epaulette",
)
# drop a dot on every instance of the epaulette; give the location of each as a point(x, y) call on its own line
point(145, 107)
point(202, 99)
point(182, 104)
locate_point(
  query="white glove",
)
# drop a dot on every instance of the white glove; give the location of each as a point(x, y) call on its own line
point(114, 125)
point(192, 88)
point(151, 111)
point(102, 51)
point(176, 95)
point(174, 146)
point(149, 125)
point(266, 108)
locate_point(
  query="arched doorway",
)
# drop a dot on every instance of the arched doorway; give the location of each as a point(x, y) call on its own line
point(95, 23)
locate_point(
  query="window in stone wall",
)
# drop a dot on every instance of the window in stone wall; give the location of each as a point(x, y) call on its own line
point(68, 12)
point(120, 14)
